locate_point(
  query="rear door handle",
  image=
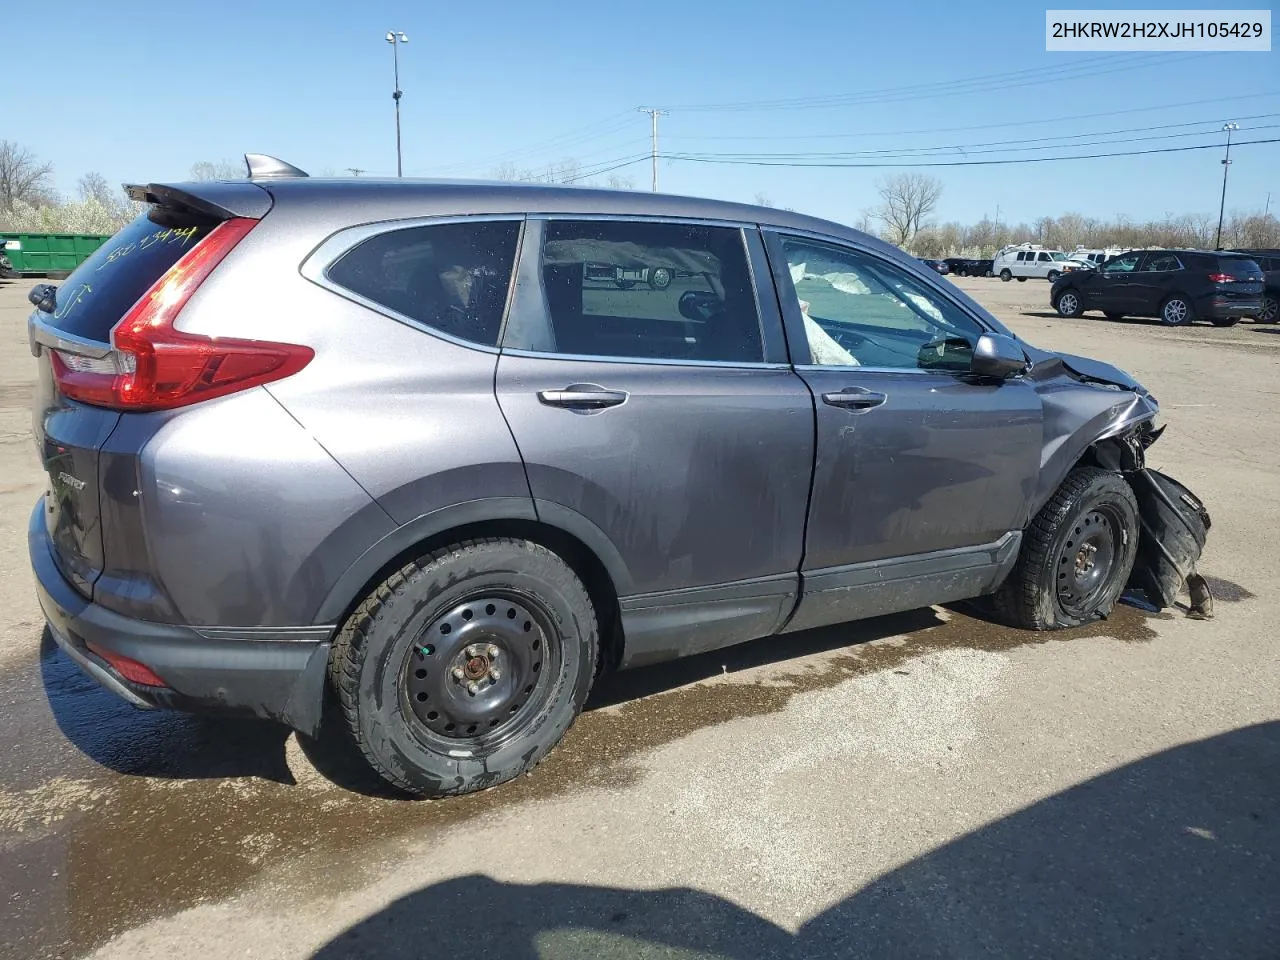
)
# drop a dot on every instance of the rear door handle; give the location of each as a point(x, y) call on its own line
point(582, 396)
point(855, 398)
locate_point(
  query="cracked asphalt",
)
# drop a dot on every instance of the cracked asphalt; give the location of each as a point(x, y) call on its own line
point(923, 785)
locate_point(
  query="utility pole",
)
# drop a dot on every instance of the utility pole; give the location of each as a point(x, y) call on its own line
point(1267, 212)
point(396, 38)
point(654, 114)
point(1226, 166)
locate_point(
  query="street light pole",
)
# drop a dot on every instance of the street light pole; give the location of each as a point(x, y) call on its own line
point(396, 38)
point(1226, 167)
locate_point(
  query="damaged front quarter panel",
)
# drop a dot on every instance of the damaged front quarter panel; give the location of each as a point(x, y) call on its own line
point(1097, 414)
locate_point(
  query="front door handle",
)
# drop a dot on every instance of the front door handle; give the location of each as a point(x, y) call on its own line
point(855, 398)
point(582, 396)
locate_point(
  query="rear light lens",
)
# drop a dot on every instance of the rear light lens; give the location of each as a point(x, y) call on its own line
point(154, 367)
point(1221, 278)
point(130, 669)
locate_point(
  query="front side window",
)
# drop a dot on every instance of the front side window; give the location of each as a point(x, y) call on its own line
point(858, 310)
point(650, 291)
point(1163, 263)
point(1125, 264)
point(451, 277)
point(1044, 258)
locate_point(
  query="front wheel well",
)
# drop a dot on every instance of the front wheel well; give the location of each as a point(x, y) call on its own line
point(584, 562)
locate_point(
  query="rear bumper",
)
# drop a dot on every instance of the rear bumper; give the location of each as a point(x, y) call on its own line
point(1225, 311)
point(278, 680)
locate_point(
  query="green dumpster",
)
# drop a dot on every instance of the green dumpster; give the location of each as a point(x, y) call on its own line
point(49, 253)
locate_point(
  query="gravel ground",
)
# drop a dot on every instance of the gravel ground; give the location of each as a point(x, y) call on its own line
point(925, 785)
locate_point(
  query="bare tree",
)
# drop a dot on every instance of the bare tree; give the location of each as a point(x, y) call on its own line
point(905, 201)
point(94, 186)
point(505, 171)
point(23, 178)
point(222, 170)
point(616, 182)
point(763, 200)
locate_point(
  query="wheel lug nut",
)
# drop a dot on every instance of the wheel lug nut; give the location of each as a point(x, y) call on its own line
point(473, 650)
point(457, 673)
point(473, 688)
point(493, 652)
point(495, 675)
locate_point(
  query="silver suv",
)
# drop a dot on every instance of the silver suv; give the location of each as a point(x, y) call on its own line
point(411, 449)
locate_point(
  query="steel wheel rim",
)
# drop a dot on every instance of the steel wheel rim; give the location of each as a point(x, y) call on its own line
point(1086, 561)
point(661, 277)
point(480, 672)
point(1067, 304)
point(1175, 312)
point(1270, 307)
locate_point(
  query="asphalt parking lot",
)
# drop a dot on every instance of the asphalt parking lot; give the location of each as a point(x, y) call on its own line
point(924, 785)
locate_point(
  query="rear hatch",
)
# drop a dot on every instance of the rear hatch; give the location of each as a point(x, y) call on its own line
point(75, 337)
point(1238, 279)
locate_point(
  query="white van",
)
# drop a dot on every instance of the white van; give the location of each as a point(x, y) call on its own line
point(1028, 260)
point(1091, 259)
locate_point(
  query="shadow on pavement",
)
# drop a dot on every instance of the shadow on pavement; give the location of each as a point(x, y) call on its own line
point(1177, 854)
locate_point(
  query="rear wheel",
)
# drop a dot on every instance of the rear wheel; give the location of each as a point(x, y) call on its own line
point(660, 278)
point(1176, 312)
point(464, 668)
point(1005, 275)
point(1076, 555)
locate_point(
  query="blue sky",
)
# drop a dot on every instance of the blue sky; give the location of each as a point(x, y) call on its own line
point(138, 89)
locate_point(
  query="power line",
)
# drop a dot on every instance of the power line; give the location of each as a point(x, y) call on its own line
point(1096, 66)
point(960, 163)
point(967, 149)
point(624, 162)
point(1039, 121)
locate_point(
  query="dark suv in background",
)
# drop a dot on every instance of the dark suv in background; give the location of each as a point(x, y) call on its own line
point(409, 446)
point(1177, 286)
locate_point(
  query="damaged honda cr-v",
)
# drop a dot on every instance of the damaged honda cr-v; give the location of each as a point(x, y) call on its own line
point(408, 451)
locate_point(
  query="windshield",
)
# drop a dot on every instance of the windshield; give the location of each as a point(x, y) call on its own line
point(1057, 256)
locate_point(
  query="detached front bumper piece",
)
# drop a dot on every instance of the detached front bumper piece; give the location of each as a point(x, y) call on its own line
point(180, 667)
point(1175, 525)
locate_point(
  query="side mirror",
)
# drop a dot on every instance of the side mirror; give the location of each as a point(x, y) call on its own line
point(44, 297)
point(997, 357)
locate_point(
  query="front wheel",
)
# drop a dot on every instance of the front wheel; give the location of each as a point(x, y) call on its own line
point(1076, 555)
point(1270, 310)
point(1176, 312)
point(1068, 304)
point(1054, 275)
point(465, 668)
point(1005, 275)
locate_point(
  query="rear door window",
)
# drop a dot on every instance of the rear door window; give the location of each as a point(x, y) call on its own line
point(102, 289)
point(1163, 263)
point(650, 291)
point(451, 277)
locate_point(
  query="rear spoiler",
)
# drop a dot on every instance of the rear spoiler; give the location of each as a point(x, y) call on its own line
point(218, 199)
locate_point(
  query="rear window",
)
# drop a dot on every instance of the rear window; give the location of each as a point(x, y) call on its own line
point(1240, 268)
point(102, 289)
point(451, 277)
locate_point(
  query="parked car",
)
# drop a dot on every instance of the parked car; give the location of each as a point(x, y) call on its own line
point(968, 267)
point(388, 438)
point(937, 266)
point(1026, 261)
point(6, 268)
point(1269, 261)
point(1178, 286)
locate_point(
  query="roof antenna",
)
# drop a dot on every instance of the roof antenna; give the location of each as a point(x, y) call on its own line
point(263, 167)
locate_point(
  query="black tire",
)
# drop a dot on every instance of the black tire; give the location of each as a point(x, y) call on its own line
point(1005, 275)
point(1270, 309)
point(1225, 321)
point(1058, 583)
point(1176, 311)
point(1022, 279)
point(1053, 275)
point(625, 284)
point(1068, 303)
point(490, 726)
point(1115, 316)
point(659, 278)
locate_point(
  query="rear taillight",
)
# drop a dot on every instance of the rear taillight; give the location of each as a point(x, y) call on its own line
point(152, 366)
point(1221, 278)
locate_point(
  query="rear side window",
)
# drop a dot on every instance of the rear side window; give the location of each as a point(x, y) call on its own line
point(1164, 263)
point(650, 291)
point(451, 277)
point(1239, 268)
point(102, 289)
